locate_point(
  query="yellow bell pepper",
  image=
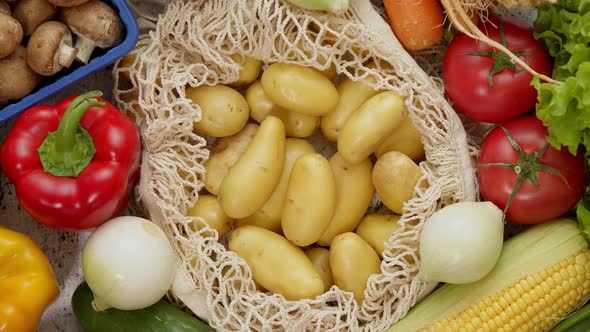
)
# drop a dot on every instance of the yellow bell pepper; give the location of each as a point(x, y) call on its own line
point(27, 282)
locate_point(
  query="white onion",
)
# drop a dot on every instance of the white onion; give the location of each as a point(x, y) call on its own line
point(461, 243)
point(128, 264)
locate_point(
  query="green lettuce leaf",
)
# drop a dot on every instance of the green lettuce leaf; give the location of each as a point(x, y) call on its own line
point(565, 109)
point(583, 214)
point(564, 27)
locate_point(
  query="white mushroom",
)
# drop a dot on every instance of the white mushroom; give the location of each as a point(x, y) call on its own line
point(67, 3)
point(50, 48)
point(31, 13)
point(18, 79)
point(96, 25)
point(11, 34)
point(4, 7)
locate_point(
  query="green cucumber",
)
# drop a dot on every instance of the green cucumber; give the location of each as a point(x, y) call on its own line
point(160, 317)
point(577, 322)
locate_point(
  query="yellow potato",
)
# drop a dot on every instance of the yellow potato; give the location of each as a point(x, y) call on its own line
point(269, 215)
point(352, 95)
point(276, 264)
point(249, 72)
point(127, 62)
point(254, 177)
point(405, 139)
point(224, 154)
point(320, 258)
point(310, 200)
point(376, 229)
point(330, 72)
point(131, 98)
point(354, 192)
point(370, 125)
point(296, 124)
point(299, 89)
point(207, 207)
point(224, 110)
point(395, 175)
point(353, 261)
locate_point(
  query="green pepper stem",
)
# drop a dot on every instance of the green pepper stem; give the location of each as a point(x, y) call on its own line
point(68, 126)
point(69, 149)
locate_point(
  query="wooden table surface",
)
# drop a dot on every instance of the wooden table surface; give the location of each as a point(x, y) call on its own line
point(62, 248)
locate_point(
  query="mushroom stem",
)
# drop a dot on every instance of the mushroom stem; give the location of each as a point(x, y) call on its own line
point(67, 54)
point(85, 47)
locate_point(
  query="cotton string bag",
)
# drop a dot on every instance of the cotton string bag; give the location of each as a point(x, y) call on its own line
point(191, 45)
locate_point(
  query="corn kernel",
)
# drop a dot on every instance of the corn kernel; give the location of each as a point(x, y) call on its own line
point(512, 325)
point(529, 304)
point(493, 309)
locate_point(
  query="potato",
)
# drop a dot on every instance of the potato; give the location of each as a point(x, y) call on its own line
point(276, 264)
point(224, 154)
point(310, 200)
point(405, 139)
point(224, 110)
point(128, 64)
point(299, 89)
point(354, 192)
point(320, 258)
point(249, 72)
point(269, 215)
point(352, 95)
point(395, 175)
point(376, 229)
point(370, 125)
point(131, 98)
point(254, 177)
point(353, 261)
point(207, 207)
point(330, 72)
point(296, 124)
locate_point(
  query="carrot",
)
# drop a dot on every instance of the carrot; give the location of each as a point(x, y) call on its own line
point(418, 24)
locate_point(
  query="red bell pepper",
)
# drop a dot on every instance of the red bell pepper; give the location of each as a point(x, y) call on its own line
point(73, 164)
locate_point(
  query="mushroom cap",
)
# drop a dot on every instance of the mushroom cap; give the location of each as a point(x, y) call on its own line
point(44, 47)
point(67, 3)
point(11, 34)
point(31, 13)
point(4, 7)
point(18, 78)
point(96, 21)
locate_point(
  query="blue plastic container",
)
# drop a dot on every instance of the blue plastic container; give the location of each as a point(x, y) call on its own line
point(100, 58)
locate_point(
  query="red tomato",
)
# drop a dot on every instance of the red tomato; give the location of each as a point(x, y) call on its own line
point(532, 203)
point(511, 94)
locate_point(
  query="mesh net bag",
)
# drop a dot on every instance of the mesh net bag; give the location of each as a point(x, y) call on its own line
point(191, 45)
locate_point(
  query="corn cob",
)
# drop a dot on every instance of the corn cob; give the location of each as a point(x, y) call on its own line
point(543, 274)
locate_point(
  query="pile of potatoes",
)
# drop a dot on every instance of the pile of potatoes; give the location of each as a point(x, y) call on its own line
point(42, 37)
point(298, 219)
